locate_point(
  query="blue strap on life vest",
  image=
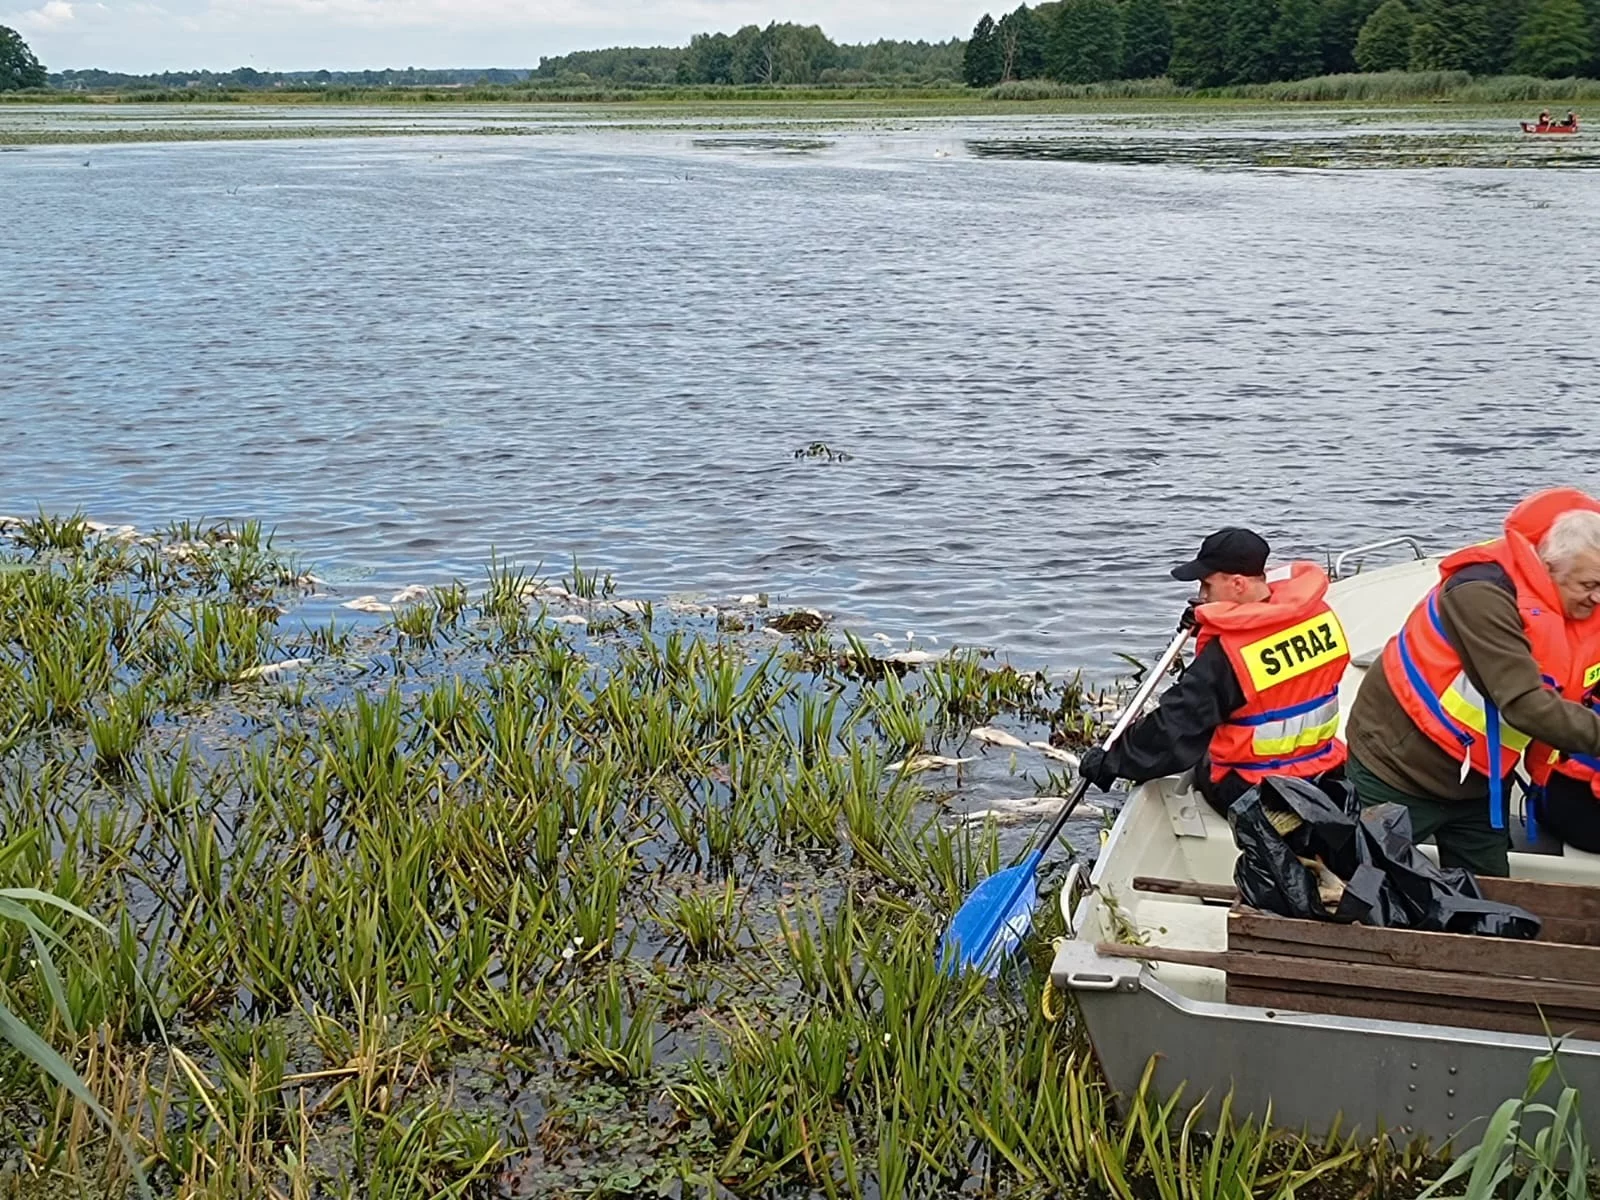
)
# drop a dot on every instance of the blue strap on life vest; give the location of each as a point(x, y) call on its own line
point(1535, 797)
point(1497, 783)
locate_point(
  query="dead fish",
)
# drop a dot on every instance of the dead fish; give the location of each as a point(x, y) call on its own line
point(1026, 808)
point(913, 657)
point(998, 737)
point(548, 591)
point(268, 670)
point(927, 762)
point(570, 619)
point(1055, 752)
point(633, 608)
point(368, 604)
point(97, 526)
point(759, 599)
point(407, 595)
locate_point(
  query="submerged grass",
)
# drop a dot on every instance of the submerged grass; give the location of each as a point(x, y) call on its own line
point(488, 904)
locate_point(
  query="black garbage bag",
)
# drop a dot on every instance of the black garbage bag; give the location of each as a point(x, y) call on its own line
point(1387, 881)
point(1269, 874)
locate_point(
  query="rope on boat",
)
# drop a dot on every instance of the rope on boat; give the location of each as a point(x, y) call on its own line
point(1050, 1005)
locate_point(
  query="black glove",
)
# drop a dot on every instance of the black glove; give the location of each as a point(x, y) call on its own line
point(1188, 621)
point(1093, 767)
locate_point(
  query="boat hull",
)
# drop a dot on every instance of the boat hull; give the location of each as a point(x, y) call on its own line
point(1308, 1071)
point(1549, 130)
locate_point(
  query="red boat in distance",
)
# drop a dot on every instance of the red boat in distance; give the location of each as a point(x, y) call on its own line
point(1530, 127)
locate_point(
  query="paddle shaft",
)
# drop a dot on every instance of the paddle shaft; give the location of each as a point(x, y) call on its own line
point(1130, 714)
point(1030, 865)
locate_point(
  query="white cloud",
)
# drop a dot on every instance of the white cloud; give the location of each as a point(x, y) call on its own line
point(56, 14)
point(153, 35)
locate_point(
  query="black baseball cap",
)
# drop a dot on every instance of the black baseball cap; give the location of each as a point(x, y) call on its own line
point(1232, 551)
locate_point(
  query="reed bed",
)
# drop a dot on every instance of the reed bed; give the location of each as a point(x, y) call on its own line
point(474, 901)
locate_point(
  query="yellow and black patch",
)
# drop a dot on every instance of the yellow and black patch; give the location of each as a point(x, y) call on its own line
point(1290, 653)
point(1591, 676)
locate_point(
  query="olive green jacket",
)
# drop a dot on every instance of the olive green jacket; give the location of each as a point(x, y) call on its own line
point(1478, 607)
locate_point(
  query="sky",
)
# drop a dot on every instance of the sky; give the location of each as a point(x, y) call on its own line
point(142, 36)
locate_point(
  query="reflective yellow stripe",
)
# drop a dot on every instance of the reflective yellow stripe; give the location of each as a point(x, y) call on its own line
point(1277, 747)
point(1278, 739)
point(1464, 702)
point(1591, 676)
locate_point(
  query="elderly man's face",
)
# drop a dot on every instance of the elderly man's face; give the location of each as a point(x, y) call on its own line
point(1579, 585)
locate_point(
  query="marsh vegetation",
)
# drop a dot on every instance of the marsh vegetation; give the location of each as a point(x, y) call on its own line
point(467, 899)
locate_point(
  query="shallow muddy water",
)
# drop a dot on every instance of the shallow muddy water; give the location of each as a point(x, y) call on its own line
point(1052, 369)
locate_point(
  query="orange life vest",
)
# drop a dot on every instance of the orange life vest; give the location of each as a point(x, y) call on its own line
point(1582, 687)
point(1426, 674)
point(1288, 654)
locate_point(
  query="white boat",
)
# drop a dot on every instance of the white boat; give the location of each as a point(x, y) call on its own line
point(1404, 1077)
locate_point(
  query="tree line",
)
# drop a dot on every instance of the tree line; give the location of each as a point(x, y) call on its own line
point(1213, 43)
point(248, 79)
point(776, 54)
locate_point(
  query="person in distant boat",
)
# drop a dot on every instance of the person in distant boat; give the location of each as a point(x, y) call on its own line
point(1262, 694)
point(1572, 120)
point(1544, 119)
point(1491, 658)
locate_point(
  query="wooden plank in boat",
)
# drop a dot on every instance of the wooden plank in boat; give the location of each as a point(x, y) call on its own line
point(1254, 931)
point(1406, 981)
point(1575, 902)
point(1503, 1020)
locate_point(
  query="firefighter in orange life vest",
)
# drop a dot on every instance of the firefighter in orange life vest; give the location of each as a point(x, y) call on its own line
point(1495, 660)
point(1262, 694)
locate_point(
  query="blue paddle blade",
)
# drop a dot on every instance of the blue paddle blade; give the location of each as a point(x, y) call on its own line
point(993, 921)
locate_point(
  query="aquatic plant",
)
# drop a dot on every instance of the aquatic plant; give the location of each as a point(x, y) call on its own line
point(479, 898)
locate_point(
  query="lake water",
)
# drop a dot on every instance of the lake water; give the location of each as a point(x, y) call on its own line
point(1052, 375)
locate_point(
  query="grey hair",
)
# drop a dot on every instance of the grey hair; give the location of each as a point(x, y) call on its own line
point(1574, 533)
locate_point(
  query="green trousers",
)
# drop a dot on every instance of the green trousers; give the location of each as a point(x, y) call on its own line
point(1460, 828)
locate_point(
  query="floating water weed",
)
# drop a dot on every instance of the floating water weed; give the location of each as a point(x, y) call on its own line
point(116, 734)
point(611, 1031)
point(528, 854)
point(898, 714)
point(707, 923)
point(46, 533)
point(589, 585)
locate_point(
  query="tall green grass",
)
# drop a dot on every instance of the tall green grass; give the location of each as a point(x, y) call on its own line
point(488, 904)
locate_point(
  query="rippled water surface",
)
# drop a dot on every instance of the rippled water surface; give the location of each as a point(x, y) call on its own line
point(1052, 375)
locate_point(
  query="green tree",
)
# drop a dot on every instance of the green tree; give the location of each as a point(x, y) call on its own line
point(18, 67)
point(1250, 57)
point(1451, 35)
point(1200, 44)
point(1385, 40)
point(1554, 39)
point(1505, 19)
point(1022, 44)
point(709, 59)
point(1341, 24)
point(981, 66)
point(1297, 39)
point(1086, 44)
point(1146, 39)
point(802, 53)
